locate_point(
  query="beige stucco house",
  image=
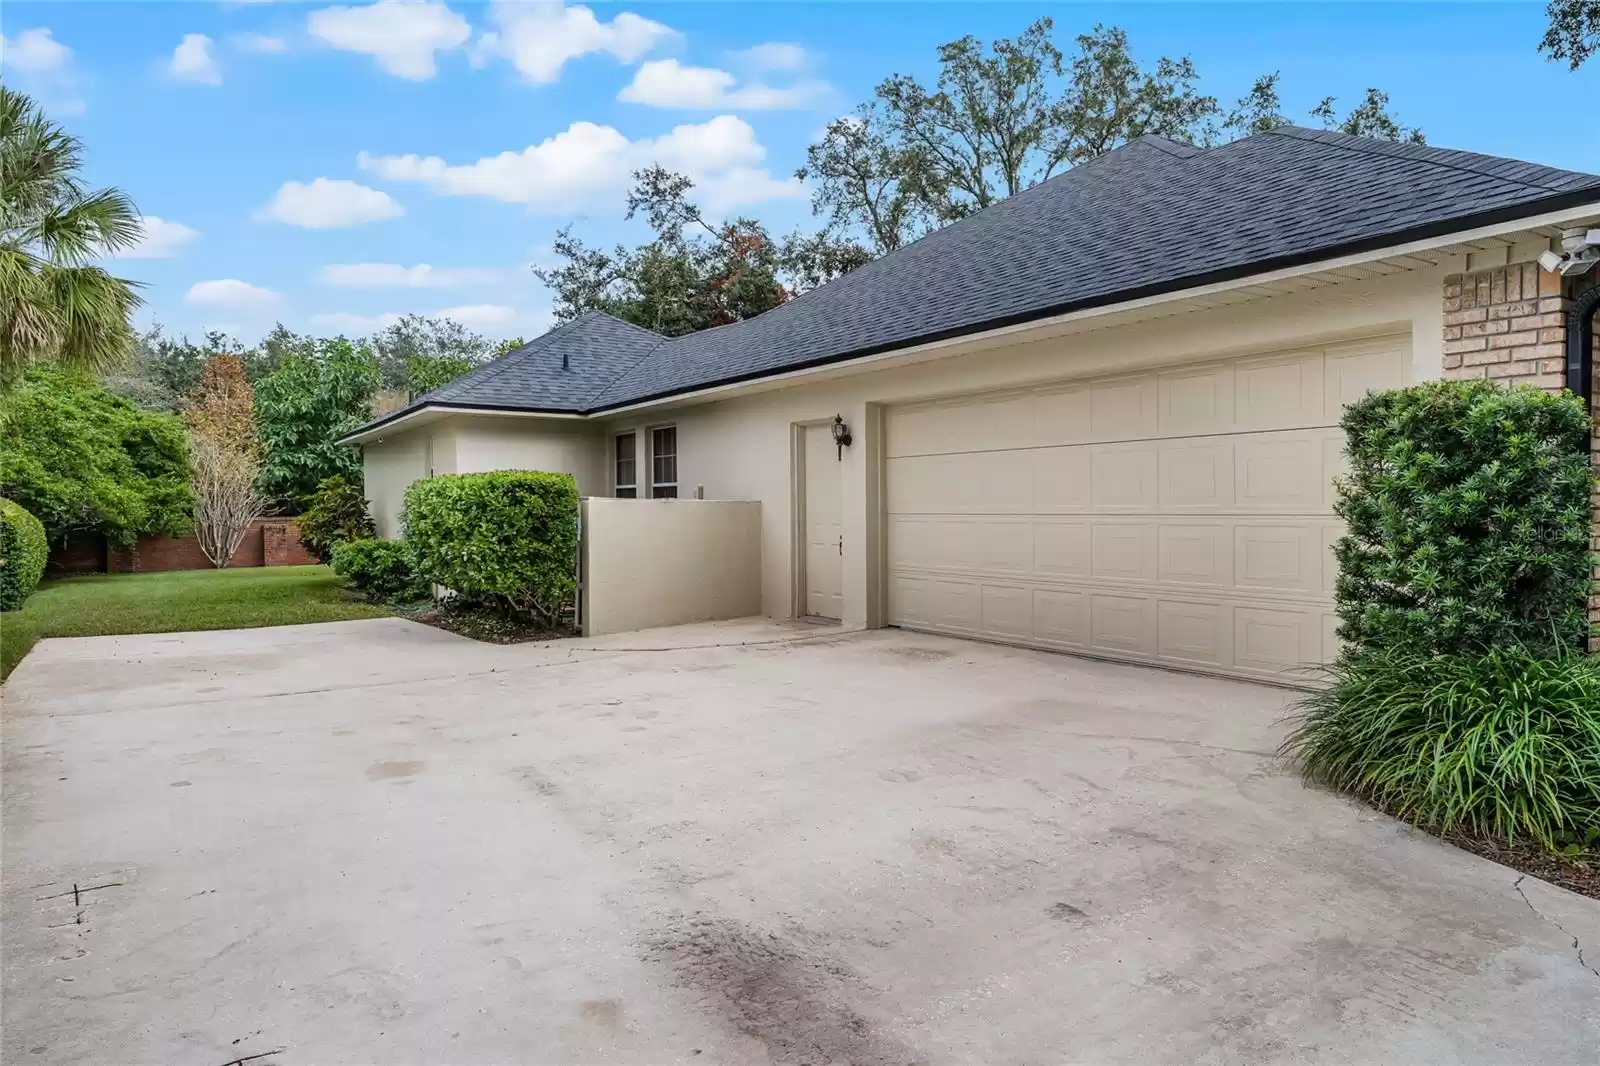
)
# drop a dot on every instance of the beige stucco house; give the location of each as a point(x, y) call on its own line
point(1099, 417)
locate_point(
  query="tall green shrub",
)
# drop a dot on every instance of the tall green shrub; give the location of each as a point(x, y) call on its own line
point(509, 537)
point(336, 514)
point(1467, 507)
point(23, 549)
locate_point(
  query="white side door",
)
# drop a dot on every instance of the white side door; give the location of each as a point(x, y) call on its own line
point(824, 544)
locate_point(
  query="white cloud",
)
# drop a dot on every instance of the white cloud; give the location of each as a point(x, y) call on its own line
point(344, 322)
point(328, 203)
point(43, 65)
point(487, 318)
point(480, 316)
point(402, 35)
point(230, 292)
point(395, 276)
point(540, 38)
point(261, 43)
point(668, 83)
point(34, 51)
point(161, 239)
point(193, 60)
point(773, 57)
point(587, 163)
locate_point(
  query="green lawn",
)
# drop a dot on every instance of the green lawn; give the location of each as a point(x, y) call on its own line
point(112, 604)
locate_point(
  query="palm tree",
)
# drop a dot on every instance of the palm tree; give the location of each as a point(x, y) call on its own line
point(54, 304)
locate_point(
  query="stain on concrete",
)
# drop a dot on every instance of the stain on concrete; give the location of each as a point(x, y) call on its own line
point(791, 997)
point(931, 844)
point(535, 780)
point(601, 1014)
point(916, 655)
point(1066, 912)
point(396, 769)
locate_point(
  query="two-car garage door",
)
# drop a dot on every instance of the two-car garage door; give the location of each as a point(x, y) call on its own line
point(1180, 516)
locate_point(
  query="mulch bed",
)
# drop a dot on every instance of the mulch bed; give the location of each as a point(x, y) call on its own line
point(1580, 874)
point(486, 624)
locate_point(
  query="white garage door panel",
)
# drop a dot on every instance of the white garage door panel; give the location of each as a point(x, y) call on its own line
point(1181, 516)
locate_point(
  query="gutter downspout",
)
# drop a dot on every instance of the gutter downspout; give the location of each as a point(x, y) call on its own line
point(1580, 344)
point(1580, 379)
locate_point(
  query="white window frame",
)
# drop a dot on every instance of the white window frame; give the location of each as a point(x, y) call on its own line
point(616, 461)
point(655, 485)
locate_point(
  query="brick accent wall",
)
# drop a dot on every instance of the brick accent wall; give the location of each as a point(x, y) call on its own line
point(1509, 324)
point(268, 542)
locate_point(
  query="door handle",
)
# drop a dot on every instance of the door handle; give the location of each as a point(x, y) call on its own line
point(841, 546)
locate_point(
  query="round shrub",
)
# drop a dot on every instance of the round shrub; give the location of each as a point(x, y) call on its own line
point(508, 537)
point(1467, 507)
point(336, 512)
point(381, 570)
point(23, 550)
point(1498, 744)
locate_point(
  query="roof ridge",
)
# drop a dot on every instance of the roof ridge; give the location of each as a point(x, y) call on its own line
point(501, 363)
point(595, 311)
point(1387, 149)
point(625, 371)
point(1159, 142)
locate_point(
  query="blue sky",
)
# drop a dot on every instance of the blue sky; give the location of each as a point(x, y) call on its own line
point(329, 166)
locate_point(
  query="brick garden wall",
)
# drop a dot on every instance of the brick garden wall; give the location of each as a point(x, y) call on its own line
point(1509, 324)
point(268, 542)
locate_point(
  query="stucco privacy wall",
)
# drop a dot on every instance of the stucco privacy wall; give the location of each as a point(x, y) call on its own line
point(653, 563)
point(472, 444)
point(744, 448)
point(1509, 323)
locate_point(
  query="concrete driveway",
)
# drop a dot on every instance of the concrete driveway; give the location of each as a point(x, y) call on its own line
point(374, 842)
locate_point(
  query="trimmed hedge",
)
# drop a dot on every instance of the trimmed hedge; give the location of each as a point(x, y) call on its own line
point(1467, 507)
point(336, 512)
point(507, 537)
point(23, 549)
point(381, 570)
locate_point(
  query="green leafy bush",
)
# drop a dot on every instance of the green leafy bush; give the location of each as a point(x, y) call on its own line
point(337, 512)
point(23, 549)
point(1502, 743)
point(507, 537)
point(381, 570)
point(79, 458)
point(1467, 507)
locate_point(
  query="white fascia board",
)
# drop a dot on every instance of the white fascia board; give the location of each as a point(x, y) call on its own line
point(367, 436)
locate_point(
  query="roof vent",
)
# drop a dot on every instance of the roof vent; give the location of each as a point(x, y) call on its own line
point(564, 365)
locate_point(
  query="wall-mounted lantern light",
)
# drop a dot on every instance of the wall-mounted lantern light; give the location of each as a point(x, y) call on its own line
point(841, 435)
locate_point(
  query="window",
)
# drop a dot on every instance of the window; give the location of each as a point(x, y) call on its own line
point(664, 462)
point(627, 467)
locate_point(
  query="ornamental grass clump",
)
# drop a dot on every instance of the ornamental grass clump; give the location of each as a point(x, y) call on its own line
point(1502, 744)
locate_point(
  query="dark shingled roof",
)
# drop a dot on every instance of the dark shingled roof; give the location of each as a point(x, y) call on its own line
point(1154, 216)
point(563, 370)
